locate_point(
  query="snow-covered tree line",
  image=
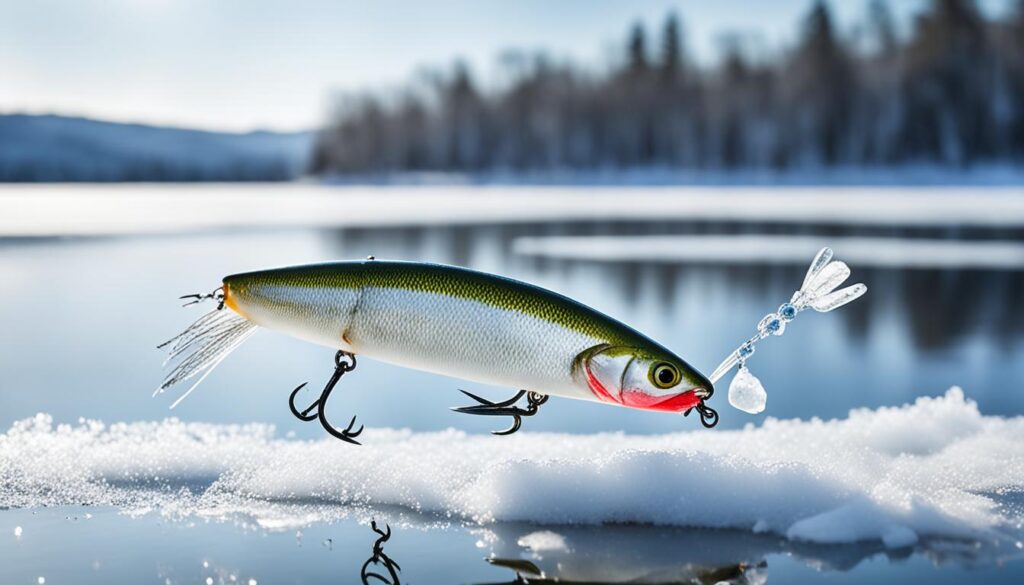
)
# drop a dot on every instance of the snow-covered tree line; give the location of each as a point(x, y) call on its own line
point(949, 91)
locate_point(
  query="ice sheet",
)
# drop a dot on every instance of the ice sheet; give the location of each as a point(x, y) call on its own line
point(934, 468)
point(111, 209)
point(861, 252)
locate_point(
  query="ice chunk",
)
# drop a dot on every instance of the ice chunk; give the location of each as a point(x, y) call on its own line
point(746, 392)
point(858, 520)
point(898, 537)
point(543, 541)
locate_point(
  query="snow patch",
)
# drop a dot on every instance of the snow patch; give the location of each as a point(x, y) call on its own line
point(934, 468)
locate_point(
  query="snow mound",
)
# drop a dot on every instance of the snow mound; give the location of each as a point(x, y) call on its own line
point(936, 468)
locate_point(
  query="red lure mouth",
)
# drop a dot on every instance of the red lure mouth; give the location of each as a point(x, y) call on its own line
point(678, 403)
point(635, 399)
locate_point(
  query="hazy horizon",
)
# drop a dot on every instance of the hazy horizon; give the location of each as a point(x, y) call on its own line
point(234, 67)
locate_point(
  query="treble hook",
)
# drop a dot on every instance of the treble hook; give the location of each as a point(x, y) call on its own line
point(217, 295)
point(379, 558)
point(343, 362)
point(505, 408)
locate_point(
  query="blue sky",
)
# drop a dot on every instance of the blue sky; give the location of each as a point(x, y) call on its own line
point(243, 64)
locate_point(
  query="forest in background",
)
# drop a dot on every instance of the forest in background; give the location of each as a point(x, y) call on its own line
point(949, 92)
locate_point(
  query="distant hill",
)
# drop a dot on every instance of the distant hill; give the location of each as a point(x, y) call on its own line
point(61, 148)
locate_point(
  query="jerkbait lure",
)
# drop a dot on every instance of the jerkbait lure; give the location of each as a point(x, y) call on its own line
point(467, 324)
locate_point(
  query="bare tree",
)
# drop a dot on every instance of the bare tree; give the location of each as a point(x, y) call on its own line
point(949, 93)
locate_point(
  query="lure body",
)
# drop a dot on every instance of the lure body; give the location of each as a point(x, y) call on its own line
point(468, 324)
point(477, 326)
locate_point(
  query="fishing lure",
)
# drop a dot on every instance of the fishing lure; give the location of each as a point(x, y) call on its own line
point(468, 324)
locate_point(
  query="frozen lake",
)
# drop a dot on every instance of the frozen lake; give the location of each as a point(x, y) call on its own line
point(90, 278)
point(56, 210)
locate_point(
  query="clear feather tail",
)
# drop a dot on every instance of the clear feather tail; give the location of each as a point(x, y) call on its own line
point(202, 347)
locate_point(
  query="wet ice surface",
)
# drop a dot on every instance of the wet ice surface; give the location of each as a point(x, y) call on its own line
point(100, 545)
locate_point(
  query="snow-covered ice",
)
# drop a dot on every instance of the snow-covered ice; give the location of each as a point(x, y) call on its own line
point(934, 468)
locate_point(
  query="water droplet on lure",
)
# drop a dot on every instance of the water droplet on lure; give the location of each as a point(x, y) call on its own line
point(746, 392)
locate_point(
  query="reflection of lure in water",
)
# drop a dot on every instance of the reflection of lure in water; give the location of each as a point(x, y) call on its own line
point(528, 573)
point(623, 553)
point(380, 561)
point(447, 320)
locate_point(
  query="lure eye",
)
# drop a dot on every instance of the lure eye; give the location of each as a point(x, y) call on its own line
point(664, 375)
